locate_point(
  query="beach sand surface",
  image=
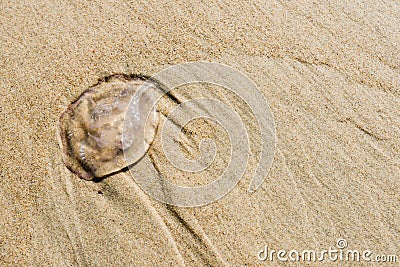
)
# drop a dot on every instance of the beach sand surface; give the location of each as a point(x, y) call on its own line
point(329, 71)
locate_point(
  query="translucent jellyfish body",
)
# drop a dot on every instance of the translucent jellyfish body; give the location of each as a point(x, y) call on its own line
point(108, 121)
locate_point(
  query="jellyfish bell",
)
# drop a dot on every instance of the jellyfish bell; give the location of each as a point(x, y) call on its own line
point(109, 127)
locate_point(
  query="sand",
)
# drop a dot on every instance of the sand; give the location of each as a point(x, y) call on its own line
point(330, 73)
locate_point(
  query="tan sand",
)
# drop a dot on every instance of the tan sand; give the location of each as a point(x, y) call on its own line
point(329, 71)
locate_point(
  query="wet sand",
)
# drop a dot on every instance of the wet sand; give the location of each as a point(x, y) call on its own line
point(330, 73)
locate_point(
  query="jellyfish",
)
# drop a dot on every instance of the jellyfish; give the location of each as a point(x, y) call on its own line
point(95, 135)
